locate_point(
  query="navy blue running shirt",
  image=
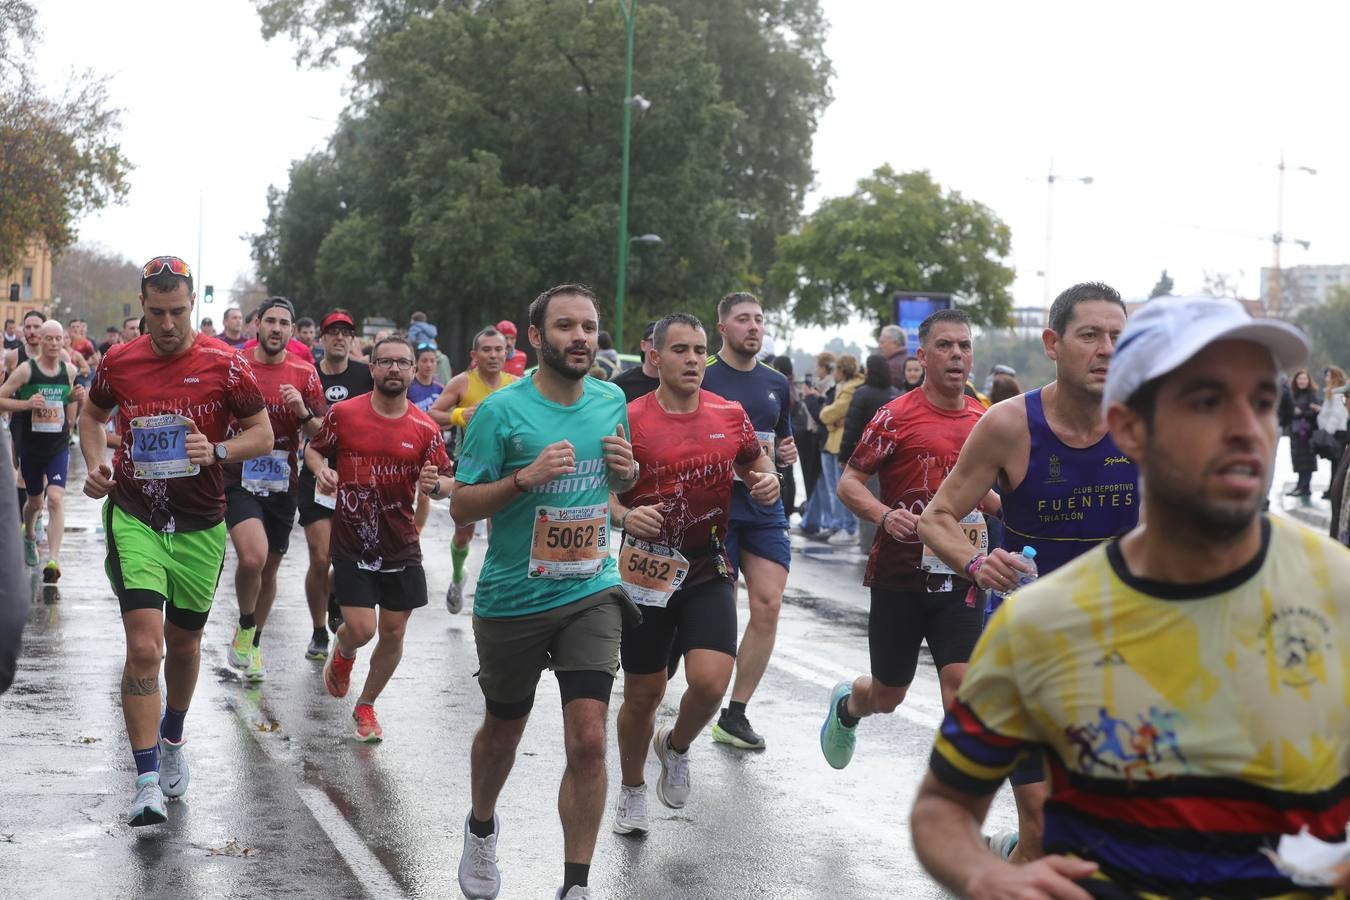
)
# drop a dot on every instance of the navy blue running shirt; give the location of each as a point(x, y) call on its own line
point(764, 394)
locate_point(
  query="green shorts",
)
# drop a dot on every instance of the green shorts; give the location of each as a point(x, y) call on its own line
point(174, 571)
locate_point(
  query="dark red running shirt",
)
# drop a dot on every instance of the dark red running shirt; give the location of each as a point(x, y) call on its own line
point(210, 384)
point(378, 462)
point(686, 467)
point(285, 425)
point(911, 445)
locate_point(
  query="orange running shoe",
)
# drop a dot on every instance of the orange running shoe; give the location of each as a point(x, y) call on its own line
point(337, 673)
point(367, 726)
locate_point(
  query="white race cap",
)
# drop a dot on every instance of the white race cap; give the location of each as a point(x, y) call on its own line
point(1169, 331)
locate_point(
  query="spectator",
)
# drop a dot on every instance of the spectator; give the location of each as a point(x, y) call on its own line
point(607, 358)
point(913, 374)
point(816, 392)
point(1305, 404)
point(207, 327)
point(797, 413)
point(876, 391)
point(420, 331)
point(12, 338)
point(232, 330)
point(1329, 440)
point(1004, 386)
point(826, 511)
point(891, 343)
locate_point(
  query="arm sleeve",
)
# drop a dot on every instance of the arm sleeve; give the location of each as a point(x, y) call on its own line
point(436, 453)
point(783, 427)
point(243, 397)
point(989, 727)
point(879, 440)
point(748, 449)
point(483, 453)
point(313, 394)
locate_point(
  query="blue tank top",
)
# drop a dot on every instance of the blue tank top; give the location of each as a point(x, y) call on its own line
point(1071, 499)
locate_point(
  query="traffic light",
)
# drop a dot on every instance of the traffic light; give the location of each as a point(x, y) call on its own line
point(210, 293)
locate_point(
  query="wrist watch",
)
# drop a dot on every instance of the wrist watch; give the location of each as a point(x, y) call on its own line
point(435, 489)
point(637, 469)
point(222, 452)
point(309, 414)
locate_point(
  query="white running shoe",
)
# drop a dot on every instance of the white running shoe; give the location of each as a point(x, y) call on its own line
point(1002, 842)
point(173, 768)
point(576, 893)
point(479, 877)
point(630, 810)
point(148, 807)
point(672, 788)
point(454, 598)
point(842, 538)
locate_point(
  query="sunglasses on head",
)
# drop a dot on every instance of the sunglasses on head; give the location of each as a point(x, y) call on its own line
point(161, 264)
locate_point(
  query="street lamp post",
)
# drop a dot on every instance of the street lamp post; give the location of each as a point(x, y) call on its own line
point(1050, 180)
point(1278, 238)
point(629, 9)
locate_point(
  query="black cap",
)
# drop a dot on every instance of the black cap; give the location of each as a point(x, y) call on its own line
point(206, 320)
point(649, 330)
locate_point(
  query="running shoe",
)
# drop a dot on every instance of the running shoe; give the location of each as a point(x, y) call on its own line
point(241, 648)
point(318, 647)
point(334, 614)
point(479, 877)
point(837, 740)
point(841, 539)
point(173, 768)
point(38, 529)
point(148, 807)
point(30, 552)
point(734, 729)
point(337, 673)
point(367, 726)
point(576, 893)
point(454, 598)
point(51, 573)
point(255, 671)
point(1002, 842)
point(630, 810)
point(672, 788)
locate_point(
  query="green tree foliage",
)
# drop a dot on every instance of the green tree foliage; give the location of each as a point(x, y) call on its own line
point(1164, 286)
point(1328, 325)
point(479, 165)
point(895, 232)
point(58, 155)
point(748, 77)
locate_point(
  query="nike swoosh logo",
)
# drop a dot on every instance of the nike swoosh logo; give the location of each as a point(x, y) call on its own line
point(174, 784)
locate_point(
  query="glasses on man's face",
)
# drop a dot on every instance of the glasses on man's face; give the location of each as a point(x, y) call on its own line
point(385, 362)
point(339, 331)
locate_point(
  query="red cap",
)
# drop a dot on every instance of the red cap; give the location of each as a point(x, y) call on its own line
point(336, 318)
point(506, 326)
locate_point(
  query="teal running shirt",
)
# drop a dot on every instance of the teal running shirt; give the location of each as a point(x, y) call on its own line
point(551, 545)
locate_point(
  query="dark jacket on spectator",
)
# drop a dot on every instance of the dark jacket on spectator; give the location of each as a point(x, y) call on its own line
point(1302, 425)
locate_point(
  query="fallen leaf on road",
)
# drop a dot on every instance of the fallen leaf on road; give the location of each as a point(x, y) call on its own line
point(232, 848)
point(88, 740)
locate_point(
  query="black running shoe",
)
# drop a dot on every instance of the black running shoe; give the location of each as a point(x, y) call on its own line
point(734, 729)
point(334, 614)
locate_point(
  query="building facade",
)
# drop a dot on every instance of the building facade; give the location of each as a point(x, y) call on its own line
point(29, 284)
point(1303, 286)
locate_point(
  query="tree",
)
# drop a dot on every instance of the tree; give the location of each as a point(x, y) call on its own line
point(96, 285)
point(895, 232)
point(58, 155)
point(1164, 286)
point(466, 206)
point(1328, 325)
point(1221, 284)
point(770, 63)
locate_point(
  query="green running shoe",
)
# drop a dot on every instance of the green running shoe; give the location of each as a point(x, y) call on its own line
point(836, 740)
point(30, 552)
point(255, 671)
point(241, 648)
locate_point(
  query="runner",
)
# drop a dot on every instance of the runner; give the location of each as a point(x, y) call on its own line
point(1188, 679)
point(386, 451)
point(164, 522)
point(422, 392)
point(456, 407)
point(341, 381)
point(29, 348)
point(911, 444)
point(514, 362)
point(1064, 484)
point(548, 595)
point(688, 442)
point(757, 536)
point(260, 493)
point(12, 339)
point(42, 412)
point(232, 328)
point(640, 381)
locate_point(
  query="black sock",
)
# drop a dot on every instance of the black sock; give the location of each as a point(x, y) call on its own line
point(247, 620)
point(736, 708)
point(575, 875)
point(481, 829)
point(321, 634)
point(257, 637)
point(671, 745)
point(845, 719)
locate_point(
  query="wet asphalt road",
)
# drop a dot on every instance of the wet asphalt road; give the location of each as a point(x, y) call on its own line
point(283, 801)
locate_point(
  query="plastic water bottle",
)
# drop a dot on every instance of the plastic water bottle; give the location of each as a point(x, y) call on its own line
point(1028, 557)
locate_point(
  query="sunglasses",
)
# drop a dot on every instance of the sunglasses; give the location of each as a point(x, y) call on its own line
point(161, 264)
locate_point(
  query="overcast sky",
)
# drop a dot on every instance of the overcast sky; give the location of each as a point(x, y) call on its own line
point(1178, 111)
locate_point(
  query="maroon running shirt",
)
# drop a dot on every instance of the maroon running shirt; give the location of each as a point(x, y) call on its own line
point(686, 468)
point(209, 384)
point(285, 424)
point(911, 445)
point(378, 463)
